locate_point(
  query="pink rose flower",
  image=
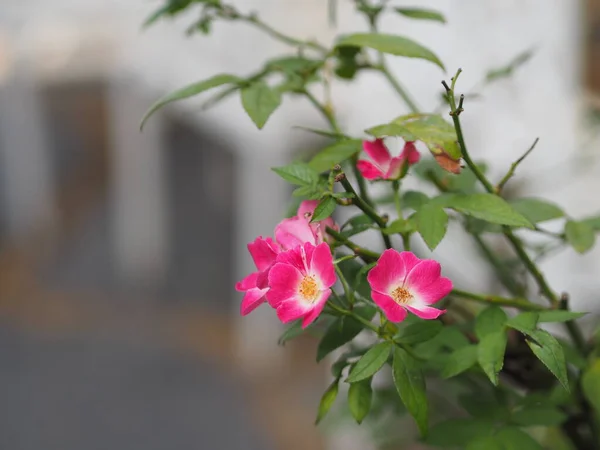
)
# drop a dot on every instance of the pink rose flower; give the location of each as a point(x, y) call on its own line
point(300, 282)
point(400, 281)
point(383, 166)
point(297, 230)
point(264, 253)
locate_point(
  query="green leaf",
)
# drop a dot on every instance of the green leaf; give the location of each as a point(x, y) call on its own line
point(410, 384)
point(438, 135)
point(341, 331)
point(506, 71)
point(335, 154)
point(391, 129)
point(593, 222)
point(414, 200)
point(590, 383)
point(416, 333)
point(459, 361)
point(424, 14)
point(490, 354)
point(298, 173)
point(559, 316)
point(432, 223)
point(327, 400)
point(490, 320)
point(324, 133)
point(370, 363)
point(549, 351)
point(485, 443)
point(580, 235)
point(260, 101)
point(525, 322)
point(488, 207)
point(513, 438)
point(536, 210)
point(189, 91)
point(359, 399)
point(400, 226)
point(324, 209)
point(391, 44)
point(458, 432)
point(538, 415)
point(293, 331)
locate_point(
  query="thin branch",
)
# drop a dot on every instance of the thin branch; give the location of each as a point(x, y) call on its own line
point(519, 303)
point(514, 166)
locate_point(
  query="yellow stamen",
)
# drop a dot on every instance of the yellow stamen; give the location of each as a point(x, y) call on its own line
point(309, 288)
point(401, 295)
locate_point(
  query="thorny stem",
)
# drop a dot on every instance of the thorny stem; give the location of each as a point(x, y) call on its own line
point(520, 303)
point(517, 245)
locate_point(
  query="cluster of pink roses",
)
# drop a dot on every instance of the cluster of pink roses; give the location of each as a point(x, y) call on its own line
point(295, 271)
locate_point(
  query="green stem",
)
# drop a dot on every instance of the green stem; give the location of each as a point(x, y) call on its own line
point(519, 303)
point(254, 20)
point(398, 88)
point(352, 314)
point(324, 111)
point(366, 208)
point(345, 286)
point(366, 255)
point(397, 198)
point(514, 166)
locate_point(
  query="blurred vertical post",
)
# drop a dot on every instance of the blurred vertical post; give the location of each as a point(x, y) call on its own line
point(25, 160)
point(137, 187)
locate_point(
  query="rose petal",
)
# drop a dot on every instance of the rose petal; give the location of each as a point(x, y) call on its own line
point(425, 312)
point(423, 275)
point(368, 170)
point(316, 310)
point(378, 152)
point(292, 309)
point(389, 272)
point(307, 208)
point(434, 292)
point(393, 173)
point(410, 153)
point(252, 299)
point(293, 232)
point(283, 281)
point(392, 310)
point(321, 265)
point(264, 252)
point(247, 283)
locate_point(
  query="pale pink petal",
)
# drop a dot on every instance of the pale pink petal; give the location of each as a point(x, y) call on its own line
point(378, 152)
point(389, 272)
point(293, 232)
point(263, 251)
point(316, 310)
point(410, 153)
point(425, 312)
point(393, 173)
point(307, 208)
point(252, 299)
point(247, 283)
point(292, 257)
point(292, 309)
point(283, 281)
point(434, 292)
point(410, 260)
point(321, 265)
point(392, 310)
point(368, 170)
point(423, 275)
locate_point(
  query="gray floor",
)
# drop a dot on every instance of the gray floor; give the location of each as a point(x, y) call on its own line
point(88, 393)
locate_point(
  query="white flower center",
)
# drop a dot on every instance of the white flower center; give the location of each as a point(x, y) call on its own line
point(401, 295)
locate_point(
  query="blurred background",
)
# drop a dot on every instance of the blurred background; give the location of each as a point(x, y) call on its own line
point(119, 324)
